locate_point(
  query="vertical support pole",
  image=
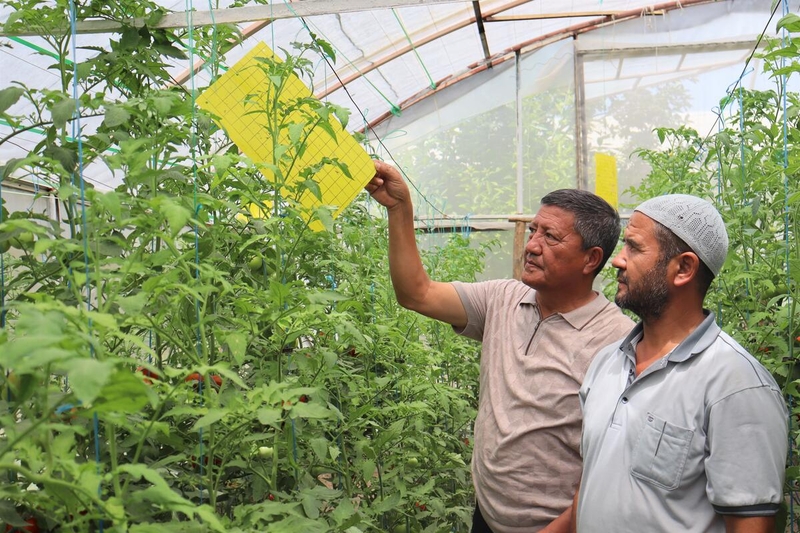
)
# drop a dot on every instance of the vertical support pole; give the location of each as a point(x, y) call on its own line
point(581, 147)
point(520, 148)
point(520, 223)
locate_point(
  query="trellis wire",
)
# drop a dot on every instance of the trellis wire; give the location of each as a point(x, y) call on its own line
point(77, 135)
point(787, 255)
point(195, 229)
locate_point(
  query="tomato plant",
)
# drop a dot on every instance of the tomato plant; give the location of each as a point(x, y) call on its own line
point(173, 361)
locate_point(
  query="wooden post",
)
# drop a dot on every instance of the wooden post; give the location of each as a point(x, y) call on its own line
point(518, 256)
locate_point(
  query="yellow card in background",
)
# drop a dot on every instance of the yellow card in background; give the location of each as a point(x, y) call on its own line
point(239, 97)
point(605, 183)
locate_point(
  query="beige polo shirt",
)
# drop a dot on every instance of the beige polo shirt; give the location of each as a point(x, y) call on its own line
point(526, 458)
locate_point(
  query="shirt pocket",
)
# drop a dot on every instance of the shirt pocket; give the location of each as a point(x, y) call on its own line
point(660, 452)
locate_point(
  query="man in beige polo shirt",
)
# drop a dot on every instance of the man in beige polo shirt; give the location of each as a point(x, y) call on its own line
point(538, 337)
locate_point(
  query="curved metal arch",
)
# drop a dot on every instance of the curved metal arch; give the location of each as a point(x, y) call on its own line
point(540, 41)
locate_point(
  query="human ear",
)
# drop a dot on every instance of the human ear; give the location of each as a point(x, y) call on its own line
point(592, 259)
point(688, 266)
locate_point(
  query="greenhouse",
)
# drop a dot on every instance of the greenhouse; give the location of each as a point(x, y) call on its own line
point(204, 327)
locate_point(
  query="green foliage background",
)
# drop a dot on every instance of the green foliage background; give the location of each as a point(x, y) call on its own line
point(248, 374)
point(171, 363)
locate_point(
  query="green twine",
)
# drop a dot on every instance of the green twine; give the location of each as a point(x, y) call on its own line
point(414, 49)
point(394, 108)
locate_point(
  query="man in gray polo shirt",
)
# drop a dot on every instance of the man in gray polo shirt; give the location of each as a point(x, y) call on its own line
point(538, 339)
point(683, 429)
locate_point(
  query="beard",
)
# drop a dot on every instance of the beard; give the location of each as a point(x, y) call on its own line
point(647, 297)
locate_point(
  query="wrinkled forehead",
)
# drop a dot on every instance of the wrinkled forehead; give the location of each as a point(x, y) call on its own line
point(640, 228)
point(554, 217)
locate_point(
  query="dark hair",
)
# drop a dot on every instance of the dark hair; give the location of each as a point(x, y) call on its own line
point(595, 220)
point(671, 245)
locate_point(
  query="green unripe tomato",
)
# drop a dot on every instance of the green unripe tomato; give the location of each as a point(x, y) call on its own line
point(256, 262)
point(412, 462)
point(265, 451)
point(24, 239)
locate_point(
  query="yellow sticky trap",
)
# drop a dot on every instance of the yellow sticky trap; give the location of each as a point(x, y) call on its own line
point(241, 100)
point(254, 211)
point(605, 183)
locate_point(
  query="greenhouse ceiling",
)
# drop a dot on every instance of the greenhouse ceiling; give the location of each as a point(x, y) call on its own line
point(389, 54)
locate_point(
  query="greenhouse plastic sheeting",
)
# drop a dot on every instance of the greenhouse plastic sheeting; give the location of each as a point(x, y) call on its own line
point(421, 73)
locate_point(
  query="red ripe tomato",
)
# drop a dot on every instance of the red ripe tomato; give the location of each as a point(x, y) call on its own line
point(149, 375)
point(193, 461)
point(199, 378)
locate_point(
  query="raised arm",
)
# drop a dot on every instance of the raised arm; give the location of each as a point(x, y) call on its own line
point(412, 286)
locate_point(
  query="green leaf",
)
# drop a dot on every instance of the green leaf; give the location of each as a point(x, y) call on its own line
point(368, 470)
point(269, 416)
point(163, 105)
point(324, 216)
point(124, 393)
point(29, 351)
point(63, 111)
point(9, 97)
point(790, 22)
point(177, 216)
point(342, 114)
point(311, 410)
point(214, 415)
point(221, 163)
point(325, 297)
point(87, 377)
point(237, 344)
point(13, 17)
point(154, 17)
point(320, 447)
point(9, 515)
point(345, 514)
point(115, 116)
point(310, 506)
point(67, 158)
point(9, 167)
point(387, 504)
point(330, 357)
point(130, 38)
point(327, 48)
point(296, 132)
point(170, 51)
point(313, 187)
point(84, 69)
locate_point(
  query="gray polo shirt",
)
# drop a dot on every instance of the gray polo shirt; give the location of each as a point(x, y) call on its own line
point(700, 433)
point(526, 456)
